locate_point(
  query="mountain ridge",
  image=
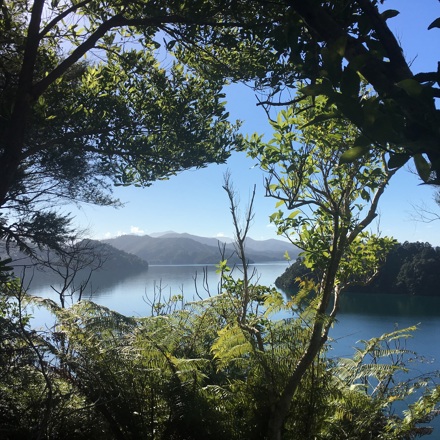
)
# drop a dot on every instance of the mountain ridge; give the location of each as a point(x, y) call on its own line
point(183, 248)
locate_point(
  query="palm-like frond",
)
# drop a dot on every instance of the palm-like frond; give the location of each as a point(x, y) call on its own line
point(231, 345)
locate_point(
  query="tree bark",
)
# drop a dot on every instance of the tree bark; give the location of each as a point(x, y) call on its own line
point(15, 134)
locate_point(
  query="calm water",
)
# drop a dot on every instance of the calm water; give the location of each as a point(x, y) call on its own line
point(360, 316)
point(130, 296)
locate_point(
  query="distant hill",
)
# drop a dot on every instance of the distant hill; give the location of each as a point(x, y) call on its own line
point(174, 248)
point(210, 241)
point(115, 263)
point(116, 260)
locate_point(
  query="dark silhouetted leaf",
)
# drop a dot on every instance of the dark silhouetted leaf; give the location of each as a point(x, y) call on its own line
point(398, 160)
point(321, 118)
point(350, 83)
point(316, 89)
point(411, 87)
point(362, 141)
point(389, 13)
point(434, 24)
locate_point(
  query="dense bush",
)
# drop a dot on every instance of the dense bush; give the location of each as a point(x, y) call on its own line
point(190, 373)
point(410, 268)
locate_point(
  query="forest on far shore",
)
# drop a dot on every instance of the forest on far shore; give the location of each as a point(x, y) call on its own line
point(410, 268)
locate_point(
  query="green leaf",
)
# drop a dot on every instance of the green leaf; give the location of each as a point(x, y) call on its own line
point(398, 160)
point(365, 195)
point(315, 89)
point(412, 87)
point(294, 213)
point(434, 24)
point(352, 154)
point(321, 118)
point(423, 167)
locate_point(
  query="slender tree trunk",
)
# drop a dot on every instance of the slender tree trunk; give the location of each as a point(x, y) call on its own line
point(318, 338)
point(281, 409)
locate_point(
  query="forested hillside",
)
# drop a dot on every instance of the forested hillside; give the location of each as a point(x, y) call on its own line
point(80, 259)
point(410, 268)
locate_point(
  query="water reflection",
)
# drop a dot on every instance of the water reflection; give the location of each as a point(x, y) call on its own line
point(389, 305)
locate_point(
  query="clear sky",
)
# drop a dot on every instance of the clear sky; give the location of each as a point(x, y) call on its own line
point(194, 201)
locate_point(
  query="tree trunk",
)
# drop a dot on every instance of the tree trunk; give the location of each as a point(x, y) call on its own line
point(12, 144)
point(318, 338)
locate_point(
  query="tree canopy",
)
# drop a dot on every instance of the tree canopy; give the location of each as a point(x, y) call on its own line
point(95, 93)
point(327, 206)
point(89, 99)
point(71, 126)
point(409, 268)
point(331, 48)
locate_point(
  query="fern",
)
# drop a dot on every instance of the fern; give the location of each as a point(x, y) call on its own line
point(230, 345)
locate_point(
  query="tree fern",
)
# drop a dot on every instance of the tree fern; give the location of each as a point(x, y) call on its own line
point(231, 345)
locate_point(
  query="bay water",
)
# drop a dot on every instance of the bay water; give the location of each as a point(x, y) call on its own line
point(361, 316)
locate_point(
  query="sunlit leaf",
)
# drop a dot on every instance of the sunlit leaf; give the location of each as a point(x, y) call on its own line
point(352, 154)
point(294, 213)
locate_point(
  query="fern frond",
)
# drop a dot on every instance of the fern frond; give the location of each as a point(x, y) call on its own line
point(230, 345)
point(49, 304)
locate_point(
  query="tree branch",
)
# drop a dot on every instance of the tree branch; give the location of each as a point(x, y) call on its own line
point(61, 16)
point(386, 38)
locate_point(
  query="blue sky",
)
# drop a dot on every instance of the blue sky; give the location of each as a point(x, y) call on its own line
point(195, 202)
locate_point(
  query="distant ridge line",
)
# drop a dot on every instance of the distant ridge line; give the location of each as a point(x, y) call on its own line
point(184, 248)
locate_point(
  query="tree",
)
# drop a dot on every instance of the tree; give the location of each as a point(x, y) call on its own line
point(358, 33)
point(409, 268)
point(67, 120)
point(329, 208)
point(70, 126)
point(331, 48)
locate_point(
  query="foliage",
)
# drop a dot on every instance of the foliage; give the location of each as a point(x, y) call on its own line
point(409, 268)
point(332, 48)
point(329, 203)
point(194, 373)
point(71, 126)
point(219, 368)
point(36, 399)
point(130, 114)
point(373, 369)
